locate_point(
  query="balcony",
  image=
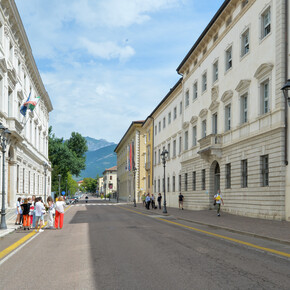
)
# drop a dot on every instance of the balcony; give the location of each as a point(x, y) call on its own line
point(210, 146)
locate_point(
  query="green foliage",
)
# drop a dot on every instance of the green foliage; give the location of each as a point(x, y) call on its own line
point(89, 184)
point(66, 157)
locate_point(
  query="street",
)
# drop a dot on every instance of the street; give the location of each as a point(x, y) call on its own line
point(108, 246)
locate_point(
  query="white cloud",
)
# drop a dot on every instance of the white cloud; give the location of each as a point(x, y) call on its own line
point(107, 50)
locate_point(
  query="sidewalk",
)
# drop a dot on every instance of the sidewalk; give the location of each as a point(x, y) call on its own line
point(10, 218)
point(267, 229)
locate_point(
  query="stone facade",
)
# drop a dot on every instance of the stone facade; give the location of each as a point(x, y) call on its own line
point(27, 151)
point(110, 180)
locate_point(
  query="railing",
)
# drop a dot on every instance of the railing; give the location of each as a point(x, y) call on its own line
point(210, 140)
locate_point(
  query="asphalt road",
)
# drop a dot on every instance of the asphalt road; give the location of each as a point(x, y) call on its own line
point(111, 247)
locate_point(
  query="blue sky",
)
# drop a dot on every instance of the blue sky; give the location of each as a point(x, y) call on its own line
point(105, 63)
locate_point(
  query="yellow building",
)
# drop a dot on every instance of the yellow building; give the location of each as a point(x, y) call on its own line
point(131, 153)
point(148, 126)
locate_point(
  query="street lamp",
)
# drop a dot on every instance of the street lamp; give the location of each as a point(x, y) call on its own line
point(4, 139)
point(164, 156)
point(285, 90)
point(134, 171)
point(59, 176)
point(45, 165)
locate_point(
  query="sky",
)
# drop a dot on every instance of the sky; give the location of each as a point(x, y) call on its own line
point(106, 63)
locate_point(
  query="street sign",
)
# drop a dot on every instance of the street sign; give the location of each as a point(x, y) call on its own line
point(63, 192)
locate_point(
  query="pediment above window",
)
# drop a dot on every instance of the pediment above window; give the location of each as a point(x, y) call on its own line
point(214, 105)
point(185, 125)
point(203, 113)
point(227, 95)
point(263, 70)
point(193, 119)
point(243, 85)
point(3, 64)
point(214, 93)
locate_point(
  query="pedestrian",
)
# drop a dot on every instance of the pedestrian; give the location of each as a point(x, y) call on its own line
point(39, 207)
point(218, 199)
point(59, 213)
point(51, 212)
point(153, 201)
point(143, 199)
point(25, 211)
point(18, 211)
point(180, 199)
point(147, 201)
point(43, 210)
point(21, 212)
point(159, 199)
point(32, 208)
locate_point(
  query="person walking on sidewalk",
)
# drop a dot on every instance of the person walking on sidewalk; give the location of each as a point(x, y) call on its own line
point(39, 207)
point(218, 199)
point(59, 213)
point(148, 201)
point(25, 210)
point(51, 212)
point(159, 199)
point(153, 201)
point(180, 199)
point(18, 211)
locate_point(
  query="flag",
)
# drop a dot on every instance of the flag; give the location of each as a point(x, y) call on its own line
point(133, 157)
point(130, 157)
point(31, 104)
point(23, 108)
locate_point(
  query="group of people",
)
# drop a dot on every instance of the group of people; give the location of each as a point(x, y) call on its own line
point(30, 213)
point(148, 200)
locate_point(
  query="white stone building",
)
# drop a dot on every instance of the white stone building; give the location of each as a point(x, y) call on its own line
point(231, 132)
point(28, 149)
point(110, 180)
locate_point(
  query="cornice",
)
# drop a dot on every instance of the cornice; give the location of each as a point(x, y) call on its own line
point(227, 95)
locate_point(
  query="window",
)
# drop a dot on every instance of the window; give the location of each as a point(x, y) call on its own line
point(215, 71)
point(195, 90)
point(173, 183)
point(228, 117)
point(158, 185)
point(194, 141)
point(17, 180)
point(155, 130)
point(23, 180)
point(245, 43)
point(159, 126)
point(174, 148)
point(186, 140)
point(164, 122)
point(204, 82)
point(10, 103)
point(180, 108)
point(203, 128)
point(159, 154)
point(265, 97)
point(194, 180)
point(244, 173)
point(266, 22)
point(214, 124)
point(203, 179)
point(168, 149)
point(154, 185)
point(244, 108)
point(229, 62)
point(265, 170)
point(228, 175)
point(179, 183)
point(180, 144)
point(168, 184)
point(148, 181)
point(155, 160)
point(111, 177)
point(187, 98)
point(185, 181)
point(174, 113)
point(169, 118)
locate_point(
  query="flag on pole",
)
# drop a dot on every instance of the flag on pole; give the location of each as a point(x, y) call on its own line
point(23, 108)
point(31, 104)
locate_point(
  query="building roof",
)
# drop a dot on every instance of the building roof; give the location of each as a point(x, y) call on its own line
point(111, 169)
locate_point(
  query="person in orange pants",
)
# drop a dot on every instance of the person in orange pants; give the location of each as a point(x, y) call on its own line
point(26, 218)
point(59, 213)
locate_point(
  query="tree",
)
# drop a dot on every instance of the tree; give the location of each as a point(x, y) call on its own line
point(89, 184)
point(66, 157)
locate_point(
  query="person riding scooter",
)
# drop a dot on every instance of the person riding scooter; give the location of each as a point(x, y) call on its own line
point(87, 199)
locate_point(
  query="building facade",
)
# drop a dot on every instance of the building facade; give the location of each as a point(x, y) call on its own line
point(27, 167)
point(131, 152)
point(232, 130)
point(110, 181)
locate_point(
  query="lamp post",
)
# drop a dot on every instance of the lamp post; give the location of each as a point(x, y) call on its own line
point(45, 165)
point(134, 172)
point(4, 139)
point(59, 176)
point(164, 156)
point(285, 90)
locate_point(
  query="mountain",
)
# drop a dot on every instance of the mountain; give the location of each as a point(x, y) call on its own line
point(100, 155)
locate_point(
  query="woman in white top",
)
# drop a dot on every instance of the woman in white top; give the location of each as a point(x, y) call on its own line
point(59, 213)
point(18, 211)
